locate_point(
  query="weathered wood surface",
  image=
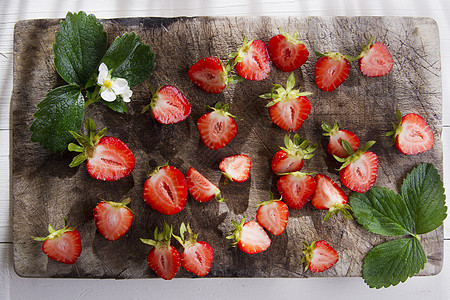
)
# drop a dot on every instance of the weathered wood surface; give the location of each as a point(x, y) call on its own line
point(44, 189)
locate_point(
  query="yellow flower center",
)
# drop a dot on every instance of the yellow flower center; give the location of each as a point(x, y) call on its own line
point(107, 83)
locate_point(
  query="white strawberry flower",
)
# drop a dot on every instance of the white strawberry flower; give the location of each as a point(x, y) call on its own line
point(110, 88)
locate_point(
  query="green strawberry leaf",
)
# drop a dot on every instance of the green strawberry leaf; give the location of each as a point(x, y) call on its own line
point(79, 47)
point(130, 59)
point(393, 262)
point(67, 103)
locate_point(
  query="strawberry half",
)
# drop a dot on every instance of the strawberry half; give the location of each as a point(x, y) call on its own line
point(200, 188)
point(296, 188)
point(328, 195)
point(209, 74)
point(166, 190)
point(252, 60)
point(288, 108)
point(197, 256)
point(273, 215)
point(236, 167)
point(337, 135)
point(169, 105)
point(331, 70)
point(319, 256)
point(113, 219)
point(287, 52)
point(107, 158)
point(249, 237)
point(63, 245)
point(375, 60)
point(218, 127)
point(412, 135)
point(163, 258)
point(290, 158)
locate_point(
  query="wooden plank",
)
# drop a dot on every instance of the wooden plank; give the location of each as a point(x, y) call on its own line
point(366, 106)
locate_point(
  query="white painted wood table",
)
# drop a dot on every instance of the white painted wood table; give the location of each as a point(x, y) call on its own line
point(14, 287)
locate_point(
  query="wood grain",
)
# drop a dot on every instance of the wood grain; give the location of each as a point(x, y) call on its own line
point(44, 189)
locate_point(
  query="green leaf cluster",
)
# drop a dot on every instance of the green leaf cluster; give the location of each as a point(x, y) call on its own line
point(418, 209)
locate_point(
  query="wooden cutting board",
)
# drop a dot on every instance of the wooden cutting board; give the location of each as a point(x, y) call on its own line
point(44, 189)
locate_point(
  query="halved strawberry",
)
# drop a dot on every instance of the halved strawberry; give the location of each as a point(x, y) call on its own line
point(218, 127)
point(331, 70)
point(107, 158)
point(375, 60)
point(288, 108)
point(287, 52)
point(169, 105)
point(273, 215)
point(201, 189)
point(209, 74)
point(250, 237)
point(197, 256)
point(63, 245)
point(296, 188)
point(166, 190)
point(252, 60)
point(236, 167)
point(290, 158)
point(330, 196)
point(163, 258)
point(113, 219)
point(319, 256)
point(412, 135)
point(336, 137)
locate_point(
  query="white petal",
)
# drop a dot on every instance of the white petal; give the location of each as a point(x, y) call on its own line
point(127, 95)
point(119, 85)
point(103, 73)
point(108, 95)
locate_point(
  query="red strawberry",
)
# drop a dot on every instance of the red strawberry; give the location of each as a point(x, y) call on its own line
point(166, 190)
point(319, 256)
point(217, 128)
point(359, 170)
point(290, 158)
point(201, 189)
point(331, 70)
point(236, 167)
point(330, 196)
point(412, 135)
point(63, 245)
point(288, 108)
point(169, 105)
point(273, 215)
point(209, 74)
point(197, 257)
point(375, 60)
point(107, 158)
point(287, 52)
point(252, 60)
point(250, 237)
point(164, 258)
point(113, 219)
point(296, 189)
point(336, 137)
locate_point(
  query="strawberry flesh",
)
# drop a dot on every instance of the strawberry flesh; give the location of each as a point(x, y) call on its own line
point(209, 75)
point(236, 167)
point(290, 114)
point(170, 106)
point(253, 238)
point(377, 61)
point(296, 189)
point(322, 257)
point(273, 216)
point(327, 194)
point(216, 129)
point(360, 175)
point(200, 188)
point(414, 136)
point(165, 261)
point(112, 221)
point(335, 143)
point(198, 258)
point(65, 248)
point(286, 56)
point(255, 64)
point(282, 162)
point(331, 71)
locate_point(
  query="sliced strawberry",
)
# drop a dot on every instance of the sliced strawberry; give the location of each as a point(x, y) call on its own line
point(250, 237)
point(412, 135)
point(163, 258)
point(287, 52)
point(337, 135)
point(290, 158)
point(113, 219)
point(63, 245)
point(273, 215)
point(107, 158)
point(166, 190)
point(209, 74)
point(319, 256)
point(375, 60)
point(331, 70)
point(218, 127)
point(252, 60)
point(296, 189)
point(200, 188)
point(169, 105)
point(236, 167)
